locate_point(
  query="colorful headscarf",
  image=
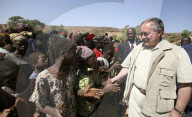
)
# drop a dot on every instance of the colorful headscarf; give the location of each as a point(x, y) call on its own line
point(17, 36)
point(22, 25)
point(86, 52)
point(96, 39)
point(89, 37)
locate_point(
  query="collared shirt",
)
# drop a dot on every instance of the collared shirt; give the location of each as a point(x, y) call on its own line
point(134, 43)
point(143, 65)
point(184, 70)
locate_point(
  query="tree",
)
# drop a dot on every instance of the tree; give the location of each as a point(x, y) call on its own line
point(114, 37)
point(124, 30)
point(171, 38)
point(120, 38)
point(124, 33)
point(32, 23)
point(14, 20)
point(137, 28)
point(185, 33)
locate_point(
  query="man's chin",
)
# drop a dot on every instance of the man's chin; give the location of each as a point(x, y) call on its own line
point(146, 44)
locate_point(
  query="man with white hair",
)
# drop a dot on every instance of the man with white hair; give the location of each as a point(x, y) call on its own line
point(153, 69)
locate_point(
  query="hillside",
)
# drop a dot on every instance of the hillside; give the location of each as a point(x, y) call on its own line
point(96, 30)
point(172, 37)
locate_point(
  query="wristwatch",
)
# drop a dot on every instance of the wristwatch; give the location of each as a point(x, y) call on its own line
point(182, 113)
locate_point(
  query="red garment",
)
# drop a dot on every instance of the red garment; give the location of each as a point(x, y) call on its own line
point(116, 49)
point(97, 52)
point(89, 37)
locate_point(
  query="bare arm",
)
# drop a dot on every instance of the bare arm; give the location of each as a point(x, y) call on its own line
point(184, 95)
point(122, 73)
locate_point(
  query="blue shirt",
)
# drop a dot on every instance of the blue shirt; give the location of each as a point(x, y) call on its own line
point(188, 49)
point(33, 75)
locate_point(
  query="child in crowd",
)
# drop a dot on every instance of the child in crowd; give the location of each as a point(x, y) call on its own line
point(39, 62)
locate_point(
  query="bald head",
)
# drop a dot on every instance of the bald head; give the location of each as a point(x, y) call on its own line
point(131, 32)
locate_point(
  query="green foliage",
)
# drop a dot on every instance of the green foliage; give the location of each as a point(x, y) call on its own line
point(121, 38)
point(171, 37)
point(35, 24)
point(114, 37)
point(124, 33)
point(185, 33)
point(13, 21)
point(137, 28)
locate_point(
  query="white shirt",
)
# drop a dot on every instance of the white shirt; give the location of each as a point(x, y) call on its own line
point(134, 44)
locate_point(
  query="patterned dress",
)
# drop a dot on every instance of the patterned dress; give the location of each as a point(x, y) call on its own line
point(50, 91)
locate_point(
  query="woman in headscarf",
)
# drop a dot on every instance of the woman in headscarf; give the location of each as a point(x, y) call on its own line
point(54, 92)
point(18, 56)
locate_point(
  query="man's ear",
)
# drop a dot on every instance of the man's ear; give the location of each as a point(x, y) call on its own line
point(160, 32)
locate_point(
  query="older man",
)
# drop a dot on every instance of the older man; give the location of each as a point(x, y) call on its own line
point(153, 69)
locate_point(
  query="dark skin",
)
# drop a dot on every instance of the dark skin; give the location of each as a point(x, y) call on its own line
point(108, 55)
point(98, 46)
point(61, 67)
point(60, 70)
point(21, 46)
point(185, 40)
point(41, 64)
point(131, 34)
point(107, 85)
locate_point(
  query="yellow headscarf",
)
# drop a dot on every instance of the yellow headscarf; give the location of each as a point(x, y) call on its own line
point(17, 36)
point(2, 34)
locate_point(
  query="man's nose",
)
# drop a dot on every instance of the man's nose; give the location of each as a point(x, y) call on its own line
point(143, 36)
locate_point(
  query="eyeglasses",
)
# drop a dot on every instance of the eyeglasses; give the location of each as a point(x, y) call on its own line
point(146, 33)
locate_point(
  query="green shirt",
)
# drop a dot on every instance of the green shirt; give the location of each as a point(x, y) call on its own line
point(83, 108)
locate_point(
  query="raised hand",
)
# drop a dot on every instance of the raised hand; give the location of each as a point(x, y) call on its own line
point(93, 92)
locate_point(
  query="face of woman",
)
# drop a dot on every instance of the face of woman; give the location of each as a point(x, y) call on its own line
point(91, 60)
point(21, 45)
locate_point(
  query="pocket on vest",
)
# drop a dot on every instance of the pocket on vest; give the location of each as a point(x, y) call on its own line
point(166, 76)
point(165, 101)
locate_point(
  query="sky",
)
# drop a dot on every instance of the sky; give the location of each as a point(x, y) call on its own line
point(176, 14)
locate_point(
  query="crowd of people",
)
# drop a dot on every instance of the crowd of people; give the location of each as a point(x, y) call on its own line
point(84, 75)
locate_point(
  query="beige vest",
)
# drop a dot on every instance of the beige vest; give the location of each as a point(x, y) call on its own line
point(161, 87)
